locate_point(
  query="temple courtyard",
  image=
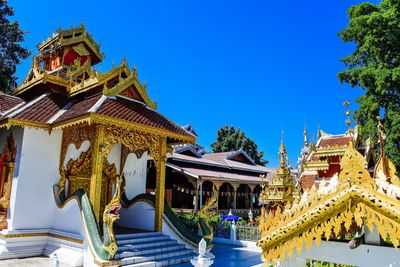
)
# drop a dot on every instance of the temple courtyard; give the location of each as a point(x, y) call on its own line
point(224, 256)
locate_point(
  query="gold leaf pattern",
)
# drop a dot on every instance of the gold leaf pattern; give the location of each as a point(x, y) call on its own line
point(321, 214)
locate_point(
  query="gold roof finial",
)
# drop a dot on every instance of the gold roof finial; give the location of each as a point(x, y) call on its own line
point(349, 120)
point(384, 164)
point(381, 136)
point(319, 133)
point(282, 155)
point(346, 103)
point(305, 135)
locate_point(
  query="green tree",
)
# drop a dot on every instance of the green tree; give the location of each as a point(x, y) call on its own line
point(230, 139)
point(374, 66)
point(11, 51)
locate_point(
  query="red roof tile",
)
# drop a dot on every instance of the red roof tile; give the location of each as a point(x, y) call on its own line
point(334, 141)
point(307, 181)
point(42, 110)
point(7, 102)
point(78, 109)
point(137, 112)
point(45, 107)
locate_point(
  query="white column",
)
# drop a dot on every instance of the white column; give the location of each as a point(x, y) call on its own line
point(201, 193)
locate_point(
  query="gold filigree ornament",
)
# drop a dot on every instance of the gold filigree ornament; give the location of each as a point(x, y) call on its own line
point(357, 200)
point(353, 170)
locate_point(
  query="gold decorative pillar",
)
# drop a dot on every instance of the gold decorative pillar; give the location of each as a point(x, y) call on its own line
point(97, 171)
point(160, 184)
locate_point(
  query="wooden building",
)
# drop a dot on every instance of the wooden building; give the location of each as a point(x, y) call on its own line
point(191, 178)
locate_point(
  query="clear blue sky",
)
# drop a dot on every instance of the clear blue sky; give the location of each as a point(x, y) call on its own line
point(256, 65)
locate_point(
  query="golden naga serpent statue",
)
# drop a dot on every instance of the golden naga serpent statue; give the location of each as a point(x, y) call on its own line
point(205, 214)
point(110, 215)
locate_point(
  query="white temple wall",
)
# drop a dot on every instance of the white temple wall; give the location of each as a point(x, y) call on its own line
point(115, 157)
point(338, 252)
point(68, 219)
point(38, 171)
point(139, 216)
point(135, 171)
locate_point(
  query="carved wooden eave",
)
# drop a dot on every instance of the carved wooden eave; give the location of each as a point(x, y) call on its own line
point(316, 165)
point(327, 215)
point(10, 122)
point(330, 151)
point(42, 78)
point(123, 83)
point(92, 118)
point(333, 208)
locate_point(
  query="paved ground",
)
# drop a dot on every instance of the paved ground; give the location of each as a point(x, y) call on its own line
point(225, 256)
point(229, 256)
point(28, 262)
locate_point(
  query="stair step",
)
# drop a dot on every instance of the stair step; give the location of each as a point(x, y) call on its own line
point(138, 235)
point(156, 256)
point(163, 262)
point(144, 245)
point(141, 252)
point(142, 240)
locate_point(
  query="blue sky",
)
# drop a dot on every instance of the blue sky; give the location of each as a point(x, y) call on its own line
point(256, 65)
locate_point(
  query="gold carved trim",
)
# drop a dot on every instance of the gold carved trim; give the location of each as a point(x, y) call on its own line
point(92, 118)
point(109, 121)
point(57, 236)
point(75, 135)
point(8, 123)
point(328, 212)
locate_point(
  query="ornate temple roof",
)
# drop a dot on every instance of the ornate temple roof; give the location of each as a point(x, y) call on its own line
point(334, 141)
point(62, 89)
point(321, 161)
point(352, 196)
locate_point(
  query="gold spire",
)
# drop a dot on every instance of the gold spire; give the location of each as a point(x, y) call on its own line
point(282, 154)
point(384, 164)
point(319, 133)
point(305, 135)
point(349, 120)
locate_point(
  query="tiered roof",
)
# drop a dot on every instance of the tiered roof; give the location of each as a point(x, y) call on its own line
point(62, 89)
point(322, 160)
point(281, 189)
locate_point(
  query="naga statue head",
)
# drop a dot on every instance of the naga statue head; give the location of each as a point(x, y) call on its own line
point(110, 215)
point(205, 214)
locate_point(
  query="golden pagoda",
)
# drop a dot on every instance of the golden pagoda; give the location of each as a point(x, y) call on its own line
point(281, 189)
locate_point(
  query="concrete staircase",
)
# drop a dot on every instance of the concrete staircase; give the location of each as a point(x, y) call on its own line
point(150, 249)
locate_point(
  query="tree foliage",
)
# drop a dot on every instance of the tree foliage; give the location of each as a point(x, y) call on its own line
point(230, 139)
point(11, 51)
point(374, 66)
